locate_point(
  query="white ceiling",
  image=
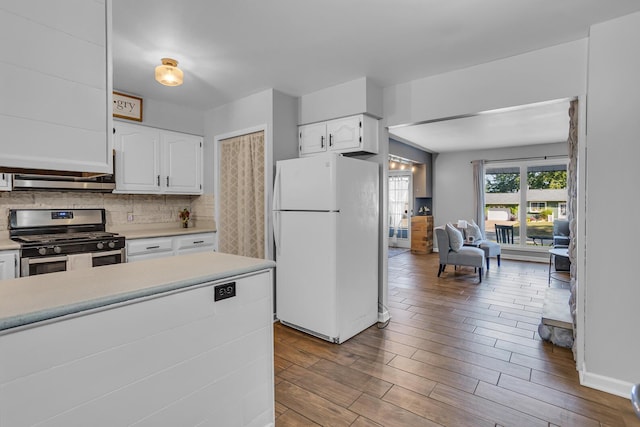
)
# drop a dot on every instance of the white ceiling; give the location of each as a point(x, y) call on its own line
point(229, 49)
point(541, 123)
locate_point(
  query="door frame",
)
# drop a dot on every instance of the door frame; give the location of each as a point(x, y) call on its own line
point(408, 173)
point(268, 172)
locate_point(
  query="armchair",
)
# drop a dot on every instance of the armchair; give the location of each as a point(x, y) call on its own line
point(464, 255)
point(561, 234)
point(561, 239)
point(491, 249)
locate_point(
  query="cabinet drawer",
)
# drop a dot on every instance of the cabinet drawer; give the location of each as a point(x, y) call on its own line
point(194, 241)
point(147, 246)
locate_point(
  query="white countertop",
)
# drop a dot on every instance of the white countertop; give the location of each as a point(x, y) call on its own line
point(7, 244)
point(142, 231)
point(32, 299)
point(134, 231)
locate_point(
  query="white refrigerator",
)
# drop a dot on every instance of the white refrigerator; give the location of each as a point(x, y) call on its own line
point(325, 211)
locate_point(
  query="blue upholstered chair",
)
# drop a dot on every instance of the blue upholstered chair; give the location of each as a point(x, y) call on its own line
point(491, 249)
point(466, 255)
point(561, 234)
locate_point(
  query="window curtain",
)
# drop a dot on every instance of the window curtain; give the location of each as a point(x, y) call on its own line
point(478, 189)
point(241, 219)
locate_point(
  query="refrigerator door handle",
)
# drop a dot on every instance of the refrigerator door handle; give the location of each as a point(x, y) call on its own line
point(276, 191)
point(276, 231)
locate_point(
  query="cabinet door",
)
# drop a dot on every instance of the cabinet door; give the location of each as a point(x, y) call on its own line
point(193, 243)
point(345, 134)
point(137, 159)
point(5, 182)
point(313, 138)
point(154, 247)
point(182, 171)
point(8, 264)
point(56, 100)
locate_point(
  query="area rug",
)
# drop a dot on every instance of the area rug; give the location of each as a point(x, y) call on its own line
point(397, 251)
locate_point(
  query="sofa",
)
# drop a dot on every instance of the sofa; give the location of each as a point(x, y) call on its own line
point(469, 256)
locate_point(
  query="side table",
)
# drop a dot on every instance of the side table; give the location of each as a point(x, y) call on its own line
point(557, 252)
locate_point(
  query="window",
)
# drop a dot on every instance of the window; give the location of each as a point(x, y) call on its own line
point(537, 206)
point(525, 197)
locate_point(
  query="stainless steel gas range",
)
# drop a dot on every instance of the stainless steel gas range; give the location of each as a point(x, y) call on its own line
point(54, 240)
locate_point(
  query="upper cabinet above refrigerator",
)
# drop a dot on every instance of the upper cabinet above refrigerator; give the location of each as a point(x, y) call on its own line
point(355, 134)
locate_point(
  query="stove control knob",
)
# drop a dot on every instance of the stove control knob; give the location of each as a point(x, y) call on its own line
point(57, 249)
point(100, 245)
point(42, 251)
point(112, 245)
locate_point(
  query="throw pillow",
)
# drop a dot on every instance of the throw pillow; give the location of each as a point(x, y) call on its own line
point(455, 237)
point(474, 231)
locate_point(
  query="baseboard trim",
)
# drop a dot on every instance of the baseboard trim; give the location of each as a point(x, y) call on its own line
point(606, 384)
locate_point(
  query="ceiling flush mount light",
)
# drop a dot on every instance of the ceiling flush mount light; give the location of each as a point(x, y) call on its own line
point(168, 73)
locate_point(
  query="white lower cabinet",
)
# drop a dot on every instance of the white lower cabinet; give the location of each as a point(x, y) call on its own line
point(159, 247)
point(156, 247)
point(175, 359)
point(8, 262)
point(192, 243)
point(5, 182)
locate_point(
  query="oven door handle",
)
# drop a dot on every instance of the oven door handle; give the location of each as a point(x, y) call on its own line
point(47, 259)
point(106, 253)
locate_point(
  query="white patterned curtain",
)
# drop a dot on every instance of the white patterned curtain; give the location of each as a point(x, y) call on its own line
point(241, 219)
point(478, 190)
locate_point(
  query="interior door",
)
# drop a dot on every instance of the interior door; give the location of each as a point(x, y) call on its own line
point(400, 208)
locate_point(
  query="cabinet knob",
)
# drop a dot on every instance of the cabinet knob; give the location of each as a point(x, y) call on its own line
point(158, 180)
point(330, 140)
point(321, 141)
point(167, 180)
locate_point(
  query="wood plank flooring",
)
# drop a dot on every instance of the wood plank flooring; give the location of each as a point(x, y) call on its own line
point(455, 353)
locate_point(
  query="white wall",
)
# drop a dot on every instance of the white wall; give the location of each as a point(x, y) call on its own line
point(165, 115)
point(346, 99)
point(542, 75)
point(612, 347)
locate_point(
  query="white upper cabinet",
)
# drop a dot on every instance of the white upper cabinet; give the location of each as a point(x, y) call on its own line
point(156, 161)
point(313, 138)
point(182, 163)
point(137, 159)
point(57, 90)
point(347, 135)
point(5, 181)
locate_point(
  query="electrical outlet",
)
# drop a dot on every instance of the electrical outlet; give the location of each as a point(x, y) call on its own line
point(225, 291)
point(129, 216)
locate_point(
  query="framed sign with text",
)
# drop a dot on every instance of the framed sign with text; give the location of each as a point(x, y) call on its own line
point(127, 107)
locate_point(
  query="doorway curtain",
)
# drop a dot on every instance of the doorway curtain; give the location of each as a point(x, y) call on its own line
point(241, 218)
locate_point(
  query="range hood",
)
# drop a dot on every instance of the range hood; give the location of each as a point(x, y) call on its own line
point(30, 181)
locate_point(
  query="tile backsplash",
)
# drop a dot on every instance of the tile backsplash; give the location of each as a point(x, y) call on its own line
point(146, 209)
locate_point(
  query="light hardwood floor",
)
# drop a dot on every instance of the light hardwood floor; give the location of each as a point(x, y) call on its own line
point(455, 353)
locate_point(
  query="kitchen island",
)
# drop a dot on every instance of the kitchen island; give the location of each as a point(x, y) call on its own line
point(185, 340)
